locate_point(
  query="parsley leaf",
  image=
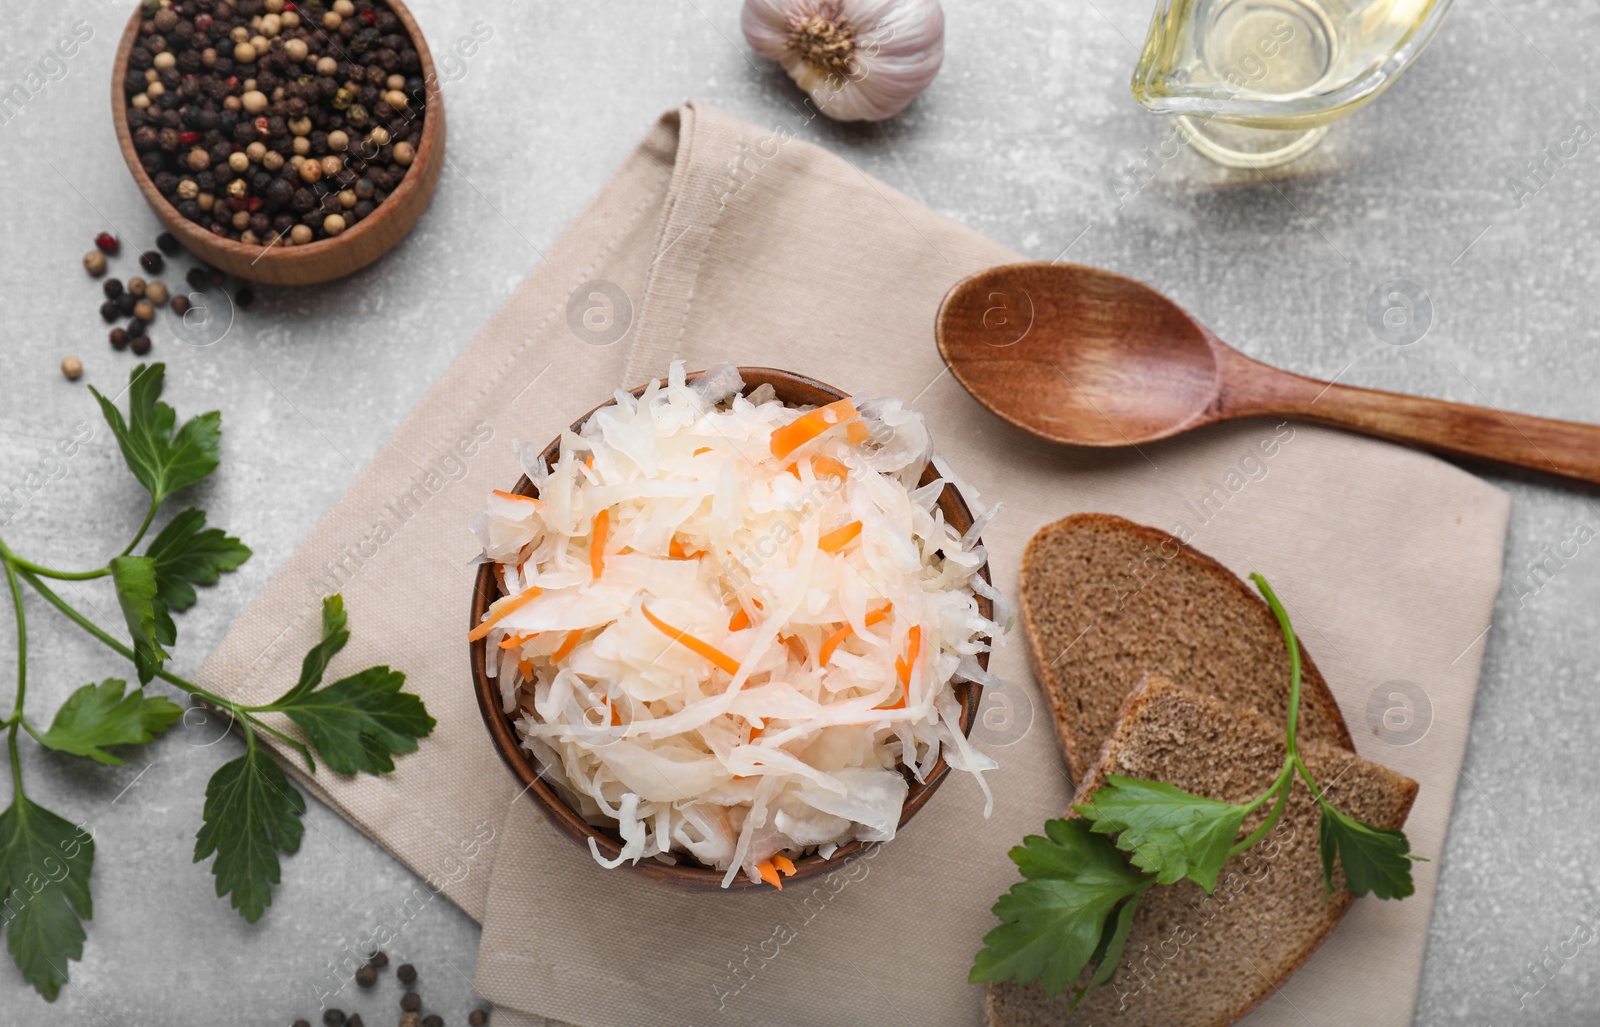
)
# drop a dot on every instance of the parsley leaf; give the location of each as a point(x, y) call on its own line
point(252, 813)
point(99, 715)
point(334, 636)
point(44, 892)
point(1376, 860)
point(186, 556)
point(1054, 922)
point(360, 722)
point(149, 623)
point(163, 462)
point(1169, 832)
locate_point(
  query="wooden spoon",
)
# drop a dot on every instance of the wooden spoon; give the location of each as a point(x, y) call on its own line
point(1083, 356)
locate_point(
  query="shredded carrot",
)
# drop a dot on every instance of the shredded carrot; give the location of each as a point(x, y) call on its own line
point(597, 542)
point(512, 641)
point(784, 864)
point(702, 449)
point(588, 461)
point(790, 437)
point(740, 620)
point(794, 469)
point(769, 874)
point(856, 433)
point(501, 607)
point(567, 645)
point(794, 645)
point(525, 665)
point(755, 732)
point(693, 644)
point(616, 719)
point(838, 538)
point(676, 550)
point(517, 496)
point(903, 666)
point(874, 616)
point(828, 467)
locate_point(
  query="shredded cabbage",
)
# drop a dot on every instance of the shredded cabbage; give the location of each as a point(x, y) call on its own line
point(680, 694)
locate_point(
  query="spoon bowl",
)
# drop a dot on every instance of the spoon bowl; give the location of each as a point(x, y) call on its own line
point(1085, 357)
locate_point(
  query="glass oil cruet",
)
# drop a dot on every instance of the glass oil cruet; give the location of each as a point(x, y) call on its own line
point(1254, 83)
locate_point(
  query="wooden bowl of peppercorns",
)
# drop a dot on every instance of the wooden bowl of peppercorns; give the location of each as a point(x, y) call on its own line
point(287, 142)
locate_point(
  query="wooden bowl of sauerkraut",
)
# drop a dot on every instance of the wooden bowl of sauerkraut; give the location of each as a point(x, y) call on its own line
point(732, 628)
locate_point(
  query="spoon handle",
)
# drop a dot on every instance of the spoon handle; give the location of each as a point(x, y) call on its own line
point(1566, 449)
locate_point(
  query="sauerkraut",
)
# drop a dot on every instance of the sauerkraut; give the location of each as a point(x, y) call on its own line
point(728, 622)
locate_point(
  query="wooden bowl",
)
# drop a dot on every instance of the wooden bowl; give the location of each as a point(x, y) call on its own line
point(793, 390)
point(325, 259)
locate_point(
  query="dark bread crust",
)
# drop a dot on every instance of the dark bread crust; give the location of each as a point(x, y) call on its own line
point(1199, 961)
point(1106, 601)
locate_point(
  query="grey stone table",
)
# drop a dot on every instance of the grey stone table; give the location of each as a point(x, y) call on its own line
point(1473, 177)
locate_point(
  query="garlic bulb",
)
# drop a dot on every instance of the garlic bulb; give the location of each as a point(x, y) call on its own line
point(860, 60)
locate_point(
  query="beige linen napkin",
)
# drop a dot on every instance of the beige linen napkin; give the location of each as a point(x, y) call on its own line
point(720, 240)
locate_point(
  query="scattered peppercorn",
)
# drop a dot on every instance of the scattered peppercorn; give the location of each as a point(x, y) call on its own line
point(109, 311)
point(411, 1002)
point(112, 287)
point(72, 367)
point(140, 345)
point(119, 338)
point(180, 305)
point(410, 1020)
point(152, 261)
point(168, 243)
point(94, 262)
point(243, 298)
point(407, 973)
point(137, 328)
point(145, 311)
point(125, 304)
point(136, 287)
point(433, 1020)
point(478, 1018)
point(380, 959)
point(355, 1021)
point(301, 1023)
point(198, 279)
point(367, 975)
point(156, 292)
point(333, 1018)
point(108, 244)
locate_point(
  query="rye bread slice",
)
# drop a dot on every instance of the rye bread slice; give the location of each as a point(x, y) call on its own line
point(1106, 601)
point(1198, 960)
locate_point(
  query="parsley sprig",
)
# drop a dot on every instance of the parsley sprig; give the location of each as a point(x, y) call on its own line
point(252, 810)
point(1084, 876)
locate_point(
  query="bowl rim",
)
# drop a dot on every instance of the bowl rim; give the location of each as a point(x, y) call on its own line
point(197, 239)
point(795, 390)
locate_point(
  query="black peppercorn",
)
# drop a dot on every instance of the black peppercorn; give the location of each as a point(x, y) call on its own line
point(109, 311)
point(167, 243)
point(242, 299)
point(125, 303)
point(198, 279)
point(411, 1002)
point(180, 305)
point(380, 959)
point(152, 261)
point(367, 975)
point(477, 1018)
point(406, 972)
point(333, 1018)
point(136, 328)
point(112, 287)
point(140, 345)
point(355, 1021)
point(301, 1023)
point(119, 339)
point(433, 1020)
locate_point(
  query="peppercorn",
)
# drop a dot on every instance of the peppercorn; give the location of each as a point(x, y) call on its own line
point(136, 287)
point(140, 345)
point(119, 338)
point(433, 1020)
point(380, 959)
point(198, 279)
point(180, 305)
point(411, 1002)
point(72, 367)
point(94, 262)
point(243, 298)
point(333, 224)
point(478, 1018)
point(137, 327)
point(366, 975)
point(407, 973)
point(333, 1018)
point(112, 287)
point(109, 311)
point(355, 1021)
point(125, 304)
point(152, 261)
point(145, 311)
point(410, 1020)
point(168, 243)
point(301, 1023)
point(156, 292)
